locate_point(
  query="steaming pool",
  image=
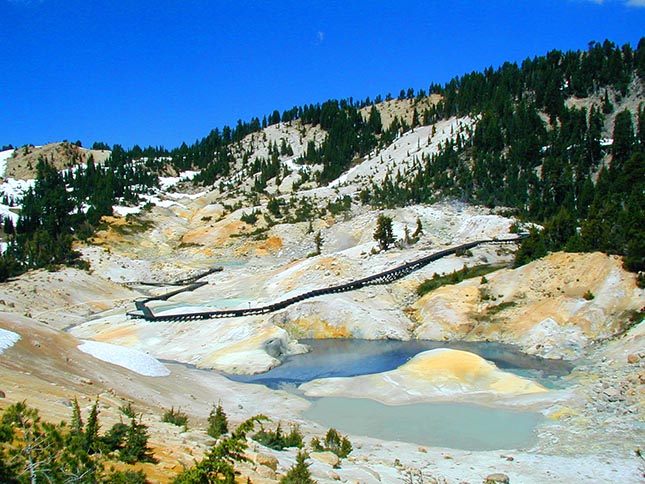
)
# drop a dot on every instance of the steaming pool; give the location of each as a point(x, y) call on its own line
point(453, 425)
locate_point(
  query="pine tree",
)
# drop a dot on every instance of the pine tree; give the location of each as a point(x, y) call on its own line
point(135, 441)
point(623, 138)
point(77, 421)
point(318, 240)
point(218, 465)
point(531, 248)
point(383, 233)
point(91, 433)
point(374, 121)
point(298, 473)
point(217, 422)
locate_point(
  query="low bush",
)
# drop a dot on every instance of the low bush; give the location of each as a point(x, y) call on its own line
point(176, 417)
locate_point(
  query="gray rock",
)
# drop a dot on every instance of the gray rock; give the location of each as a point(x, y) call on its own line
point(266, 460)
point(326, 458)
point(497, 478)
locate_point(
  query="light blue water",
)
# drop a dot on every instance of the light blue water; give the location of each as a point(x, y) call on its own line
point(453, 425)
point(352, 357)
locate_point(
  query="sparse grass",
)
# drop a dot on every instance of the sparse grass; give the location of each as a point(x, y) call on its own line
point(456, 277)
point(187, 245)
point(635, 318)
point(258, 234)
point(500, 307)
point(134, 226)
point(176, 417)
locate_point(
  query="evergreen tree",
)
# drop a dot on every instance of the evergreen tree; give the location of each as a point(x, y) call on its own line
point(77, 421)
point(217, 422)
point(383, 233)
point(134, 446)
point(318, 240)
point(533, 247)
point(374, 121)
point(298, 473)
point(218, 465)
point(623, 138)
point(91, 433)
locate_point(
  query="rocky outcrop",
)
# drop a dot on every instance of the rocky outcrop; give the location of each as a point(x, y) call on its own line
point(554, 307)
point(431, 375)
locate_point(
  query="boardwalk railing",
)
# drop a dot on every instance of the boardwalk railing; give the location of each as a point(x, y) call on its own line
point(386, 277)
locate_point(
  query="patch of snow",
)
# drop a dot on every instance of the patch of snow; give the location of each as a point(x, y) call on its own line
point(166, 182)
point(126, 357)
point(7, 339)
point(407, 149)
point(193, 196)
point(5, 212)
point(123, 211)
point(4, 156)
point(14, 188)
point(162, 203)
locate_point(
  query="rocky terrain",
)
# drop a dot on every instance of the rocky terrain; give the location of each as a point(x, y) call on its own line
point(22, 164)
point(544, 311)
point(67, 334)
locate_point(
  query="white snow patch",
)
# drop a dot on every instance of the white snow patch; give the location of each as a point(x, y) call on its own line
point(163, 203)
point(126, 357)
point(4, 156)
point(190, 196)
point(13, 189)
point(406, 150)
point(166, 182)
point(7, 339)
point(123, 211)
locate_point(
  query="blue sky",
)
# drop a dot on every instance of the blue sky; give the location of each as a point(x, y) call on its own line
point(159, 72)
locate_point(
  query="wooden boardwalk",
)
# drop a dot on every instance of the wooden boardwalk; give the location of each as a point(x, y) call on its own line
point(385, 277)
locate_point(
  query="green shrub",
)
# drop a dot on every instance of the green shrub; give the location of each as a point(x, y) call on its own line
point(334, 442)
point(298, 473)
point(588, 295)
point(176, 417)
point(250, 218)
point(456, 277)
point(114, 438)
point(217, 422)
point(127, 477)
point(294, 438)
point(277, 439)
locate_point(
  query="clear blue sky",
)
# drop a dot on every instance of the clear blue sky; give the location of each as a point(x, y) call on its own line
point(159, 72)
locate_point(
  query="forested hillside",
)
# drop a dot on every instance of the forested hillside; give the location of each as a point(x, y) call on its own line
point(536, 151)
point(558, 139)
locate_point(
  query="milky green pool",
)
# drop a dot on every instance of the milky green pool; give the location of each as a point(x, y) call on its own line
point(453, 425)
